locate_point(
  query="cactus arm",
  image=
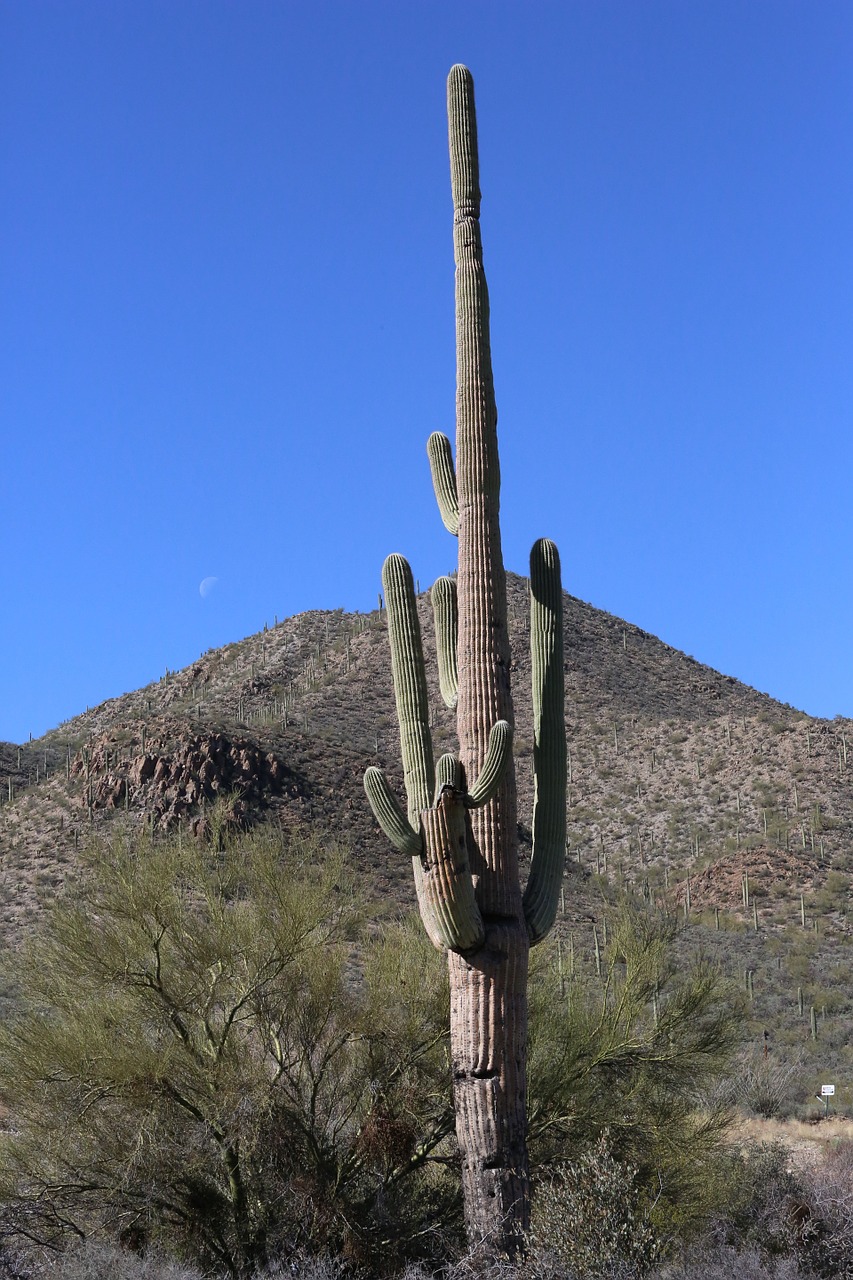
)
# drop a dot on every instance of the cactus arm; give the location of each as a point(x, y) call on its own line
point(410, 689)
point(494, 767)
point(448, 773)
point(445, 888)
point(442, 874)
point(444, 480)
point(388, 812)
point(549, 741)
point(446, 616)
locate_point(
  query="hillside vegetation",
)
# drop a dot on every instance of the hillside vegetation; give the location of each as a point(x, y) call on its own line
point(686, 787)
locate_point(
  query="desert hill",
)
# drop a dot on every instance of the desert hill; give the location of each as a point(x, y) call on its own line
point(676, 771)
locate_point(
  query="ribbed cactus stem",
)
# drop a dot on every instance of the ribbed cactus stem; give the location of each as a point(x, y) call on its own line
point(389, 813)
point(541, 896)
point(483, 648)
point(442, 874)
point(446, 615)
point(446, 891)
point(467, 872)
point(489, 995)
point(494, 767)
point(448, 773)
point(443, 472)
point(410, 689)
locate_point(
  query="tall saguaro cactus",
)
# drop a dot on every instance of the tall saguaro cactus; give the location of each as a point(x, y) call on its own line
point(460, 825)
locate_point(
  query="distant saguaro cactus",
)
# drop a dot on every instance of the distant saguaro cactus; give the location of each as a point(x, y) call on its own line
point(460, 826)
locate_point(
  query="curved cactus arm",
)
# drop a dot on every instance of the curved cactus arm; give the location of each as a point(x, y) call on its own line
point(549, 741)
point(445, 888)
point(442, 875)
point(498, 756)
point(410, 688)
point(446, 616)
point(444, 480)
point(388, 812)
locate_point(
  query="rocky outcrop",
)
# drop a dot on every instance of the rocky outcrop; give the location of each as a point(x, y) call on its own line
point(780, 872)
point(172, 783)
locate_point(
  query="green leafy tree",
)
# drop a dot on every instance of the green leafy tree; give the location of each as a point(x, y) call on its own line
point(200, 1061)
point(210, 1057)
point(633, 1055)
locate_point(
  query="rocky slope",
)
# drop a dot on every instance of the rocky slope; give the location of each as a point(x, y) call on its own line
point(675, 771)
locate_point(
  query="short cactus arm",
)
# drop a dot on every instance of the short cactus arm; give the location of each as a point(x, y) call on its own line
point(410, 688)
point(388, 812)
point(448, 773)
point(444, 480)
point(443, 877)
point(446, 615)
point(549, 741)
point(491, 776)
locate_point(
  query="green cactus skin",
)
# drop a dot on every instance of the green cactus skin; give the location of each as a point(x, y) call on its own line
point(389, 814)
point(446, 895)
point(446, 617)
point(440, 457)
point(488, 1016)
point(439, 844)
point(407, 664)
point(435, 837)
point(448, 773)
point(495, 765)
point(466, 867)
point(549, 741)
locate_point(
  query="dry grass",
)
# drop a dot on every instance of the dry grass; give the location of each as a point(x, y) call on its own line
point(807, 1142)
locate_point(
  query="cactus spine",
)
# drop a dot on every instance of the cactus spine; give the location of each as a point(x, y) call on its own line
point(460, 827)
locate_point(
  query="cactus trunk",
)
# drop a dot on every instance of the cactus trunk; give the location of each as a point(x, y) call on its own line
point(488, 1014)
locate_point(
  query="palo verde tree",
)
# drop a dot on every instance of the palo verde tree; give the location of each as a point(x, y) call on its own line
point(190, 1068)
point(460, 828)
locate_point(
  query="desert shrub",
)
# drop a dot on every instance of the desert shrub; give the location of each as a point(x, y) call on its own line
point(823, 1215)
point(106, 1262)
point(634, 1055)
point(306, 1266)
point(756, 1213)
point(762, 1086)
point(201, 1063)
point(592, 1218)
point(722, 1262)
point(798, 1216)
point(89, 1260)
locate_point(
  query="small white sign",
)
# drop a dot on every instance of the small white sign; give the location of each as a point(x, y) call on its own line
point(827, 1090)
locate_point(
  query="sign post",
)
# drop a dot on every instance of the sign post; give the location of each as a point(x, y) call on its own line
point(827, 1091)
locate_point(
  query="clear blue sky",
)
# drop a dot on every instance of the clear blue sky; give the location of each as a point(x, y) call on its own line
point(227, 321)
